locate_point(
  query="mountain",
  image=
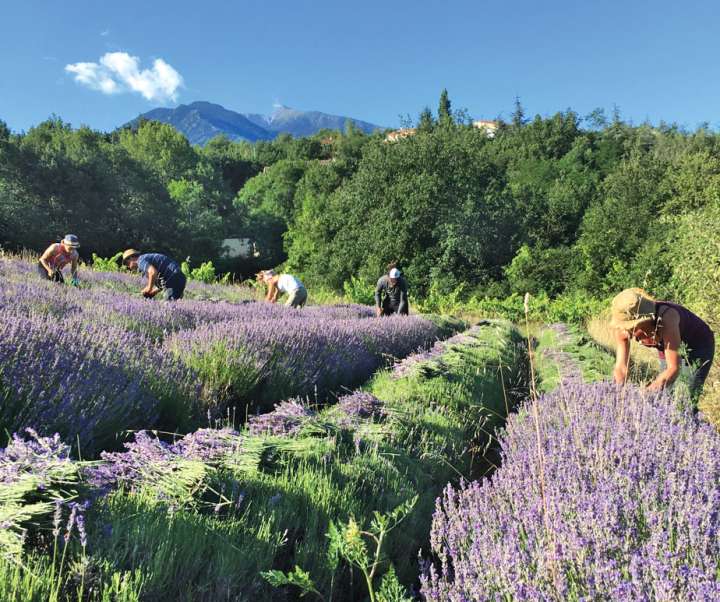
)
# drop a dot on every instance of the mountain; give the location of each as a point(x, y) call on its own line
point(201, 121)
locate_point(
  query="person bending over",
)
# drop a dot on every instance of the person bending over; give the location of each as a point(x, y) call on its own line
point(57, 256)
point(162, 272)
point(286, 284)
point(666, 327)
point(391, 296)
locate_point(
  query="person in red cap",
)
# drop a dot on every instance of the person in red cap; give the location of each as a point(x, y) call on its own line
point(391, 295)
point(667, 327)
point(57, 256)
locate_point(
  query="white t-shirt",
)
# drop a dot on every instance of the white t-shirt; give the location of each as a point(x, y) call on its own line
point(287, 283)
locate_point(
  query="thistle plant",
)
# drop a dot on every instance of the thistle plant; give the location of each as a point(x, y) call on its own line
point(362, 550)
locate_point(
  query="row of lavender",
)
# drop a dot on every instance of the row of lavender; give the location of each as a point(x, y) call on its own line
point(604, 493)
point(219, 506)
point(93, 363)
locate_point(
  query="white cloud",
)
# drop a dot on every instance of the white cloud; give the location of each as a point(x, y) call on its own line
point(120, 72)
point(105, 32)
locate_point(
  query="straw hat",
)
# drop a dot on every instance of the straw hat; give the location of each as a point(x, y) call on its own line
point(129, 253)
point(631, 307)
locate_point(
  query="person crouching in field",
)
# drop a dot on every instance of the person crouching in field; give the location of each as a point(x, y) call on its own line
point(665, 326)
point(283, 284)
point(162, 272)
point(57, 256)
point(391, 296)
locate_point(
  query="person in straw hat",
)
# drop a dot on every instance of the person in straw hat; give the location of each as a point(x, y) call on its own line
point(57, 256)
point(667, 327)
point(162, 272)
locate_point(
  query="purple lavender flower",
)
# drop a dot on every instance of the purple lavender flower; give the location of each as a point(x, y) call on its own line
point(626, 506)
point(287, 418)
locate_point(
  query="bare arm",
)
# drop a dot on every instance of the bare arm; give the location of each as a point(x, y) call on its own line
point(74, 266)
point(151, 279)
point(672, 340)
point(45, 257)
point(272, 292)
point(622, 356)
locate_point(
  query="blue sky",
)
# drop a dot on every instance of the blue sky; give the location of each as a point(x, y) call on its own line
point(369, 60)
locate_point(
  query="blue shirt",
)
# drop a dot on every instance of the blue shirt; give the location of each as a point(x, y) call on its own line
point(167, 268)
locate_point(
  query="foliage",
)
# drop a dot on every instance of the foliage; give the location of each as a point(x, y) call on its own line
point(349, 542)
point(359, 291)
point(205, 273)
point(111, 264)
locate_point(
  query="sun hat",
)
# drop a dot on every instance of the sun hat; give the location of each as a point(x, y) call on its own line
point(394, 273)
point(71, 241)
point(129, 253)
point(631, 307)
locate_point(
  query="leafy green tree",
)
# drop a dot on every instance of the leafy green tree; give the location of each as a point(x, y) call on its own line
point(230, 158)
point(161, 148)
point(426, 123)
point(616, 228)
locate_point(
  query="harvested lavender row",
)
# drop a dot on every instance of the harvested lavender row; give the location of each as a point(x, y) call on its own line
point(147, 458)
point(407, 365)
point(627, 507)
point(568, 368)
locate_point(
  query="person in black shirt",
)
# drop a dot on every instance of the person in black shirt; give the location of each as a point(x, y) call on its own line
point(391, 295)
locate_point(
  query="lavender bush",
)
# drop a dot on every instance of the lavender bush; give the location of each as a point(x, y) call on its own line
point(619, 501)
point(88, 381)
point(273, 359)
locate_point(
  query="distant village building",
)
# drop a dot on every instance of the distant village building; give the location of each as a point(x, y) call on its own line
point(490, 127)
point(243, 248)
point(396, 135)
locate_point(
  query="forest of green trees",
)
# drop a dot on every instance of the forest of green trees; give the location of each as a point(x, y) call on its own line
point(549, 205)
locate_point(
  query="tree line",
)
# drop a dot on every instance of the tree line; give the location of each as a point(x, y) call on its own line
point(548, 204)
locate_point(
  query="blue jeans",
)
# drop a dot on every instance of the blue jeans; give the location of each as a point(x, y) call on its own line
point(174, 288)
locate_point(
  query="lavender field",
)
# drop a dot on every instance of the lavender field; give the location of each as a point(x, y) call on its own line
point(227, 449)
point(94, 362)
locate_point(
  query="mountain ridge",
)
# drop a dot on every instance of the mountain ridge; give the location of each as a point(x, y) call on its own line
point(200, 121)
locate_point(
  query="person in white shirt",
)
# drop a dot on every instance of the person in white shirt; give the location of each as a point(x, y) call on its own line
point(284, 284)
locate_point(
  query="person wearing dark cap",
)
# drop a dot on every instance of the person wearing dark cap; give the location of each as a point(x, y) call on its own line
point(391, 296)
point(57, 256)
point(162, 272)
point(667, 327)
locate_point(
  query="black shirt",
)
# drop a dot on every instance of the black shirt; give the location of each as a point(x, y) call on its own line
point(395, 297)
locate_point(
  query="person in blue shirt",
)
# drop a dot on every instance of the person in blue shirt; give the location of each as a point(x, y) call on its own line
point(162, 272)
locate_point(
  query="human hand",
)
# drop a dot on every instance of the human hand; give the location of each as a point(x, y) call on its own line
point(378, 311)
